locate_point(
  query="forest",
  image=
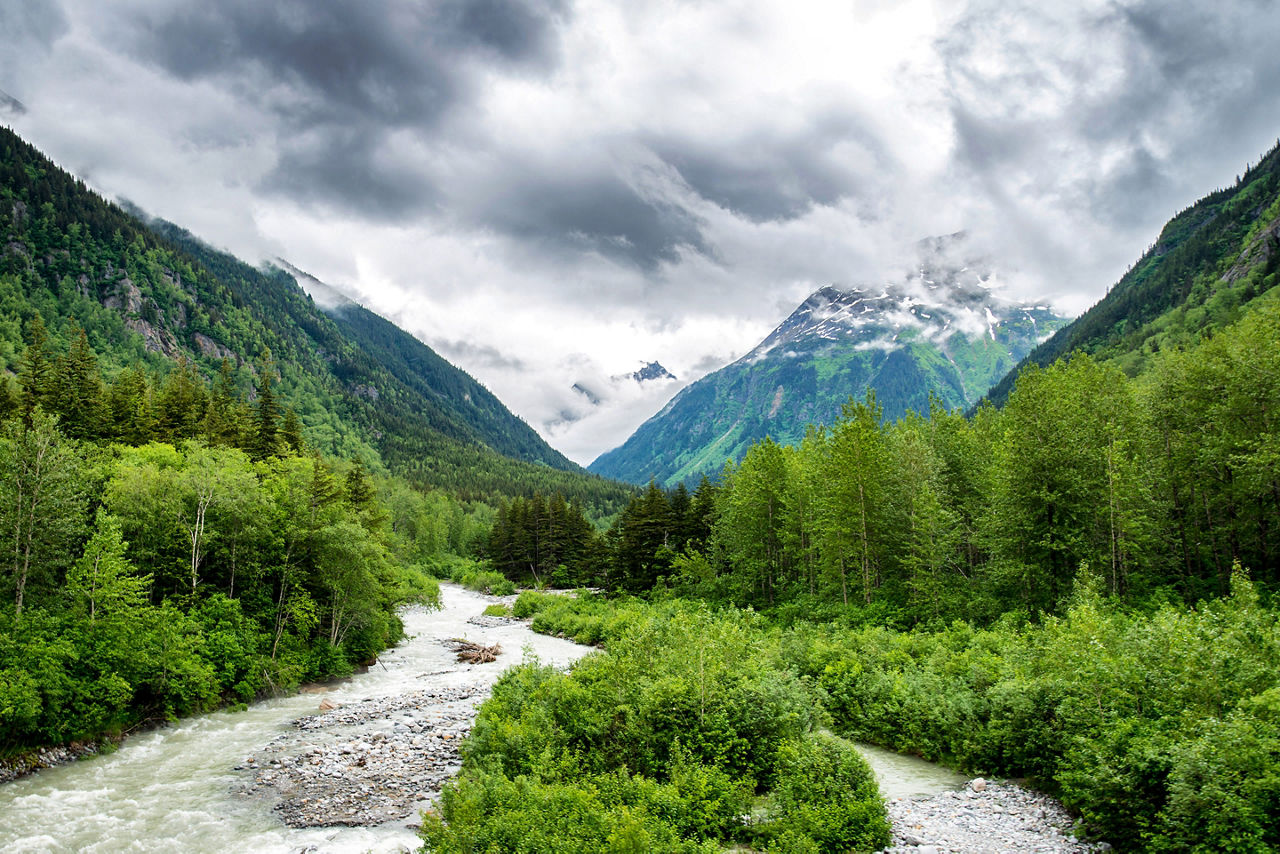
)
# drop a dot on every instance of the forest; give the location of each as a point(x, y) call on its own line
point(210, 492)
point(171, 547)
point(1076, 589)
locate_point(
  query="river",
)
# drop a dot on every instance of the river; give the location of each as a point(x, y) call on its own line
point(178, 788)
point(190, 787)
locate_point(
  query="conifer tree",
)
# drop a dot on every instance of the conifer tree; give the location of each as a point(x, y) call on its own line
point(79, 396)
point(266, 427)
point(35, 371)
point(291, 432)
point(224, 419)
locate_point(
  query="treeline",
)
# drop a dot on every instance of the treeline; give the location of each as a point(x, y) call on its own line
point(549, 541)
point(1156, 484)
point(148, 295)
point(171, 546)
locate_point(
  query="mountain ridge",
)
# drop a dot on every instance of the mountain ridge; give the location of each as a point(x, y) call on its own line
point(149, 294)
point(940, 333)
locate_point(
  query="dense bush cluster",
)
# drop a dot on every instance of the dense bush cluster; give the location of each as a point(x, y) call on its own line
point(661, 743)
point(1161, 729)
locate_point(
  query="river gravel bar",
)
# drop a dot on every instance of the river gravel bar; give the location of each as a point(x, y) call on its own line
point(985, 818)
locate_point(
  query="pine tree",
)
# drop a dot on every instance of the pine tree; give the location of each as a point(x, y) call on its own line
point(35, 371)
point(359, 490)
point(79, 396)
point(267, 415)
point(291, 432)
point(224, 420)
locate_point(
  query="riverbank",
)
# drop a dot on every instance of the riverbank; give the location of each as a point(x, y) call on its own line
point(49, 757)
point(985, 818)
point(177, 787)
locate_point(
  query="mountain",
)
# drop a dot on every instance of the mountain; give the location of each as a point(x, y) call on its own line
point(1204, 271)
point(939, 331)
point(651, 371)
point(149, 293)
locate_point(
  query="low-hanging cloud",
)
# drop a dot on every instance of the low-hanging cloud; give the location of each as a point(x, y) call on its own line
point(520, 180)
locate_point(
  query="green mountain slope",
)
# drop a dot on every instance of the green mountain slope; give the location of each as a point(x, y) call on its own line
point(940, 333)
point(1209, 263)
point(152, 294)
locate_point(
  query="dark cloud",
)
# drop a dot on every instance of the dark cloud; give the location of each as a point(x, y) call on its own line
point(351, 169)
point(343, 78)
point(593, 211)
point(770, 175)
point(1136, 90)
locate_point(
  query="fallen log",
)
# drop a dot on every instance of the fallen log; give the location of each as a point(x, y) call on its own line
point(470, 652)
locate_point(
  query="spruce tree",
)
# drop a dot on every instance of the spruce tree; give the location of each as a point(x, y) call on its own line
point(266, 422)
point(35, 371)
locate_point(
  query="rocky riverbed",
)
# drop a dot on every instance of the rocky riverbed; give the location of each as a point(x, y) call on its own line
point(378, 759)
point(373, 762)
point(984, 818)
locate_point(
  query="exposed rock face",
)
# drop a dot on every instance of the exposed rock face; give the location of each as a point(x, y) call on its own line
point(155, 340)
point(1258, 253)
point(125, 297)
point(212, 349)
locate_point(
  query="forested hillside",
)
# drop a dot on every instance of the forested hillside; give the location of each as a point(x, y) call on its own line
point(174, 547)
point(358, 385)
point(1208, 263)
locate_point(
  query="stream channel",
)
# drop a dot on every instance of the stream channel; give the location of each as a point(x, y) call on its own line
point(221, 782)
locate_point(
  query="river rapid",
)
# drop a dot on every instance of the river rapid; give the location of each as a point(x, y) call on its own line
point(257, 780)
point(190, 787)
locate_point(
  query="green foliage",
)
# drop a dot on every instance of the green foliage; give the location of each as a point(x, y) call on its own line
point(486, 581)
point(1160, 728)
point(670, 733)
point(825, 794)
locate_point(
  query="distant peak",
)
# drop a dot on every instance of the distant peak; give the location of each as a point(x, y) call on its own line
point(652, 371)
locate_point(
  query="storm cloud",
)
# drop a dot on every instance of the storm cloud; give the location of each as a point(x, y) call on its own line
point(553, 191)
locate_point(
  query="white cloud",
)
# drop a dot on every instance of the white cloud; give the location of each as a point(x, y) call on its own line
point(598, 185)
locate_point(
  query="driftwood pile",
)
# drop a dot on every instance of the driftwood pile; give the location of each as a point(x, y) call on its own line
point(474, 653)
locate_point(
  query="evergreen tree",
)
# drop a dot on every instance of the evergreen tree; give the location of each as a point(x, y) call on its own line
point(35, 370)
point(291, 432)
point(181, 403)
point(266, 420)
point(224, 420)
point(79, 394)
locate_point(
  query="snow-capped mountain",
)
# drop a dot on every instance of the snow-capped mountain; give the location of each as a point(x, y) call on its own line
point(941, 329)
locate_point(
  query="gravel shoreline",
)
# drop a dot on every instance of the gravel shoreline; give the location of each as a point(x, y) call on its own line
point(375, 761)
point(985, 818)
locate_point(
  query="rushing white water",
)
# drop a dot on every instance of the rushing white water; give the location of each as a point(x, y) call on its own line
point(174, 789)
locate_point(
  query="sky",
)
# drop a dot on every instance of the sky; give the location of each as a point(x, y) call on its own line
point(552, 193)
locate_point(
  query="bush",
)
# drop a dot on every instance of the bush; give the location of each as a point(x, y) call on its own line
point(826, 799)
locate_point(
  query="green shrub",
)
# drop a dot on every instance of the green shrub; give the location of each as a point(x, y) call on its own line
point(825, 794)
